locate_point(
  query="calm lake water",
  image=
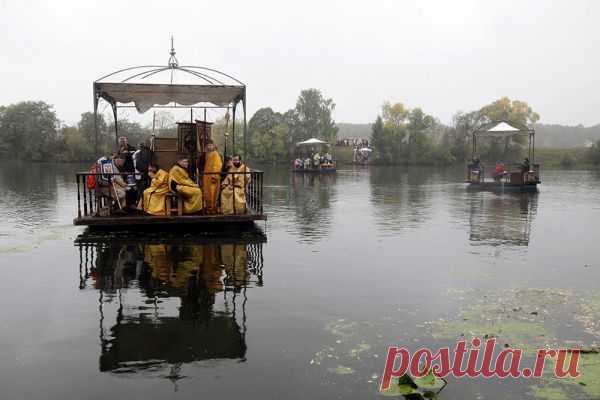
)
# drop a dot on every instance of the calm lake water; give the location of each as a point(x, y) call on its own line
point(347, 265)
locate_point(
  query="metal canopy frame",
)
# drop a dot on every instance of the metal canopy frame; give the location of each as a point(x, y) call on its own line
point(522, 131)
point(208, 76)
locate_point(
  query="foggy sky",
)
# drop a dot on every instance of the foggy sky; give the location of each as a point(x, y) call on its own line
point(442, 56)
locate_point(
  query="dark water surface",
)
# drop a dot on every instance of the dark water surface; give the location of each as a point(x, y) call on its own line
point(348, 265)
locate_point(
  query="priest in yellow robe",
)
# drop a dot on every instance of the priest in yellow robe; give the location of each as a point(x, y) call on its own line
point(233, 189)
point(153, 199)
point(181, 183)
point(211, 181)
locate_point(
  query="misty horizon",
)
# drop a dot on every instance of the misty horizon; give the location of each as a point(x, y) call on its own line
point(441, 57)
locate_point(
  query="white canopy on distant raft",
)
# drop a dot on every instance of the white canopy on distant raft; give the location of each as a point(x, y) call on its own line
point(311, 141)
point(366, 150)
point(147, 95)
point(503, 129)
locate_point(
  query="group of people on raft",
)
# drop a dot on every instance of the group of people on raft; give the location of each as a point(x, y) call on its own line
point(139, 184)
point(499, 169)
point(314, 161)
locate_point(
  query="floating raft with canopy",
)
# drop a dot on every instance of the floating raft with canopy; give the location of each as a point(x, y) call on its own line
point(515, 177)
point(304, 150)
point(171, 86)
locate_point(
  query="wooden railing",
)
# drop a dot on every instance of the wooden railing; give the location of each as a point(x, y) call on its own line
point(488, 171)
point(90, 198)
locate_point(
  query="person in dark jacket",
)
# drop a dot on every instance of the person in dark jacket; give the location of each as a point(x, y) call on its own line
point(127, 150)
point(142, 158)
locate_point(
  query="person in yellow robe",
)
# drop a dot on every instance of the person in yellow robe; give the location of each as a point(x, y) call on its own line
point(153, 199)
point(233, 188)
point(181, 183)
point(211, 181)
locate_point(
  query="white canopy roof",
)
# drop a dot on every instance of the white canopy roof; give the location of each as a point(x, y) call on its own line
point(311, 141)
point(503, 129)
point(366, 149)
point(146, 96)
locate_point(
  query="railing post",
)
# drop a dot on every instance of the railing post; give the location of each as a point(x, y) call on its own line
point(91, 197)
point(78, 197)
point(85, 205)
point(260, 188)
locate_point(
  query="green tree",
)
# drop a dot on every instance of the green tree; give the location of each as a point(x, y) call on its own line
point(135, 133)
point(394, 115)
point(87, 131)
point(271, 146)
point(401, 135)
point(312, 117)
point(516, 112)
point(75, 146)
point(459, 137)
point(594, 153)
point(390, 149)
point(28, 131)
point(378, 139)
point(268, 136)
point(420, 126)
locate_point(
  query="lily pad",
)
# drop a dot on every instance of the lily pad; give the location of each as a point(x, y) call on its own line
point(426, 387)
point(401, 386)
point(429, 382)
point(341, 370)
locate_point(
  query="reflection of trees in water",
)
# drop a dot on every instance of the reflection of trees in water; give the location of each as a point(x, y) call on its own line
point(30, 191)
point(300, 201)
point(310, 198)
point(400, 197)
point(501, 219)
point(171, 303)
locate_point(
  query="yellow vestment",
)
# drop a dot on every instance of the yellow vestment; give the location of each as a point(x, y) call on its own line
point(212, 180)
point(153, 200)
point(233, 190)
point(186, 188)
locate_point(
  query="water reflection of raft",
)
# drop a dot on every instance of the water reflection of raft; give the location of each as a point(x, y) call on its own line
point(322, 170)
point(189, 296)
point(142, 342)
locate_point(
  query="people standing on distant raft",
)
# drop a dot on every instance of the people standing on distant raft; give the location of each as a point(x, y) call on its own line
point(180, 183)
point(153, 199)
point(211, 181)
point(526, 166)
point(316, 160)
point(233, 188)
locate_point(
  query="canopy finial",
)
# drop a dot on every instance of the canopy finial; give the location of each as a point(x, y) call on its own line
point(173, 63)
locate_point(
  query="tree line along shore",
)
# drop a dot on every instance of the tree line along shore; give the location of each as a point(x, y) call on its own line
point(31, 131)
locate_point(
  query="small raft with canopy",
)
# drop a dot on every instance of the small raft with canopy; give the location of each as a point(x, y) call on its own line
point(172, 86)
point(310, 161)
point(361, 155)
point(511, 177)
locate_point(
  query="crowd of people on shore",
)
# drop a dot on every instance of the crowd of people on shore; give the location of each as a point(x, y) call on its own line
point(353, 142)
point(136, 183)
point(314, 160)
